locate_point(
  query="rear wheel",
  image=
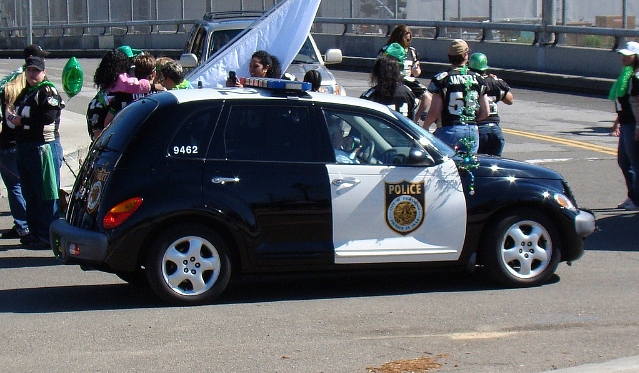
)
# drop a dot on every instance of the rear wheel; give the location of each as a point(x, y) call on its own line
point(188, 264)
point(522, 248)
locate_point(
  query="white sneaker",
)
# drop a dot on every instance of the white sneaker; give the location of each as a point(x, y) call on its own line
point(631, 207)
point(625, 203)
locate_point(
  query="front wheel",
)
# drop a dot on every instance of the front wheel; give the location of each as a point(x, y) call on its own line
point(522, 249)
point(188, 264)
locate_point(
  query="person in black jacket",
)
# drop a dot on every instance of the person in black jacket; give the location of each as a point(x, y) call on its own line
point(459, 100)
point(36, 118)
point(388, 88)
point(491, 138)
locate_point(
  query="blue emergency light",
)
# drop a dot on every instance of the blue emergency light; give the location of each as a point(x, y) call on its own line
point(277, 84)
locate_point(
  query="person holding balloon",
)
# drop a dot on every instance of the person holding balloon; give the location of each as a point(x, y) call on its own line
point(36, 118)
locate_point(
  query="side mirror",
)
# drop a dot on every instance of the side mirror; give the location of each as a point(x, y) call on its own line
point(419, 157)
point(188, 60)
point(333, 56)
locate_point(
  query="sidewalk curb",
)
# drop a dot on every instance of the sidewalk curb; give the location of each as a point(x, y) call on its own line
point(623, 365)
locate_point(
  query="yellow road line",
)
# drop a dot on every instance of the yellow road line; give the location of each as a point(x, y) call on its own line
point(576, 144)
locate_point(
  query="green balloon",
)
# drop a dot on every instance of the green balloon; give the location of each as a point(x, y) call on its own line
point(72, 77)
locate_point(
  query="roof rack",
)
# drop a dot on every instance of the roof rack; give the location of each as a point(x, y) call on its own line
point(211, 16)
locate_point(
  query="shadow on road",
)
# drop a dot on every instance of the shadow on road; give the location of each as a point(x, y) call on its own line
point(617, 231)
point(27, 262)
point(248, 290)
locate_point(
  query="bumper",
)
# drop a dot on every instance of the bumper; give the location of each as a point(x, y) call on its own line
point(75, 245)
point(585, 223)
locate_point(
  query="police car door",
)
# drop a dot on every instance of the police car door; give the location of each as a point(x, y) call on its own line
point(383, 209)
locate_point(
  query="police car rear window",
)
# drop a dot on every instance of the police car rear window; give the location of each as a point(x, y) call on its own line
point(117, 135)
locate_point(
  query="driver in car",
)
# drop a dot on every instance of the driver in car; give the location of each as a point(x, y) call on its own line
point(340, 142)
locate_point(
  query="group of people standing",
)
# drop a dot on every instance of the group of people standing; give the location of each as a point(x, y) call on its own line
point(125, 75)
point(462, 101)
point(30, 150)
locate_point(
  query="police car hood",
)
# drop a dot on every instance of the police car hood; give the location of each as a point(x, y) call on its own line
point(502, 167)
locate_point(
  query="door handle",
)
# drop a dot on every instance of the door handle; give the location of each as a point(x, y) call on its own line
point(224, 180)
point(348, 180)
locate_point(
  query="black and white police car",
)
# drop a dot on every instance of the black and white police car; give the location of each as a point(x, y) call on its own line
point(186, 189)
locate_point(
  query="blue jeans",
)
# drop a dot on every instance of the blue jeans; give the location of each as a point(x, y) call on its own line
point(491, 139)
point(40, 211)
point(11, 178)
point(452, 135)
point(628, 160)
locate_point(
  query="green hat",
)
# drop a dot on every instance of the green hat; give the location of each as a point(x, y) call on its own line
point(130, 52)
point(395, 50)
point(478, 62)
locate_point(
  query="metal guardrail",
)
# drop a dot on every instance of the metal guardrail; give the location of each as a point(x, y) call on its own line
point(126, 26)
point(542, 33)
point(539, 30)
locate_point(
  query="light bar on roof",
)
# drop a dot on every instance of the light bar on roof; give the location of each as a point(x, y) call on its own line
point(278, 84)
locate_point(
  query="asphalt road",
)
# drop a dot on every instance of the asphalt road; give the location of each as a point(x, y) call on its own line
point(57, 318)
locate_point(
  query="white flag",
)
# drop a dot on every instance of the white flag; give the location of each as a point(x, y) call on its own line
point(281, 32)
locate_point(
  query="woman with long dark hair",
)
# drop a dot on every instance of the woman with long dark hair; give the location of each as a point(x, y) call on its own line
point(388, 87)
point(410, 66)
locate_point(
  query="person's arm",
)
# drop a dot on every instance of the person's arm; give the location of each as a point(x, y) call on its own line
point(424, 103)
point(435, 109)
point(41, 114)
point(506, 95)
point(614, 130)
point(508, 98)
point(484, 110)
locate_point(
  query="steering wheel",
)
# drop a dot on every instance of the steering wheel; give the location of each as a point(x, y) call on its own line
point(390, 156)
point(365, 153)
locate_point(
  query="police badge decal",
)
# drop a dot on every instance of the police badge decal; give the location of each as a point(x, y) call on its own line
point(404, 206)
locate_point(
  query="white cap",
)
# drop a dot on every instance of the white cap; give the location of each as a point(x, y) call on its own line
point(632, 47)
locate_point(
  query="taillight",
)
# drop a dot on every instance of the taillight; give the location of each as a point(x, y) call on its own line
point(121, 212)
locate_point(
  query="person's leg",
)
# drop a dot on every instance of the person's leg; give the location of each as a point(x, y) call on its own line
point(499, 139)
point(466, 136)
point(491, 139)
point(484, 139)
point(28, 162)
point(623, 159)
point(11, 178)
point(446, 134)
point(632, 153)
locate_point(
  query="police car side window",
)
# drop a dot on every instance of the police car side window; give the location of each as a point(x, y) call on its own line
point(198, 43)
point(367, 139)
point(269, 133)
point(193, 134)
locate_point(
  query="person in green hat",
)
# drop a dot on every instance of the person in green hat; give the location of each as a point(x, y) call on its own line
point(491, 138)
point(400, 41)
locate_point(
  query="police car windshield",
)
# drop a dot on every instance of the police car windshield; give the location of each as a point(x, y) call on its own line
point(307, 53)
point(434, 142)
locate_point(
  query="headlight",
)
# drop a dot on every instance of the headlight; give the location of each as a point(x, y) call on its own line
point(565, 202)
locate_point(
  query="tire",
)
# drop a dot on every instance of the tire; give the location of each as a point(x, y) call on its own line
point(188, 265)
point(522, 249)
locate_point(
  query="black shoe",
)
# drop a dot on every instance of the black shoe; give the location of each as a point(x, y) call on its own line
point(28, 240)
point(35, 243)
point(10, 234)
